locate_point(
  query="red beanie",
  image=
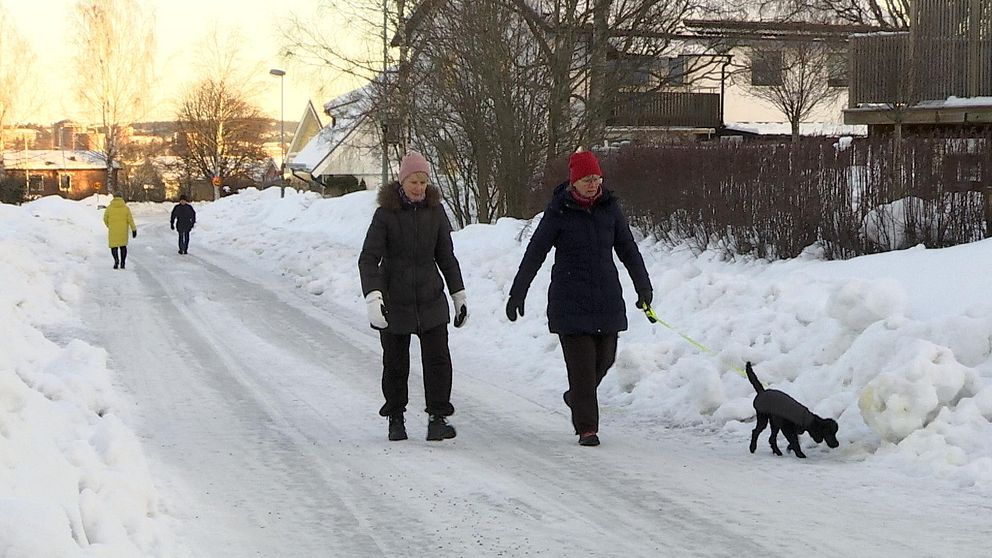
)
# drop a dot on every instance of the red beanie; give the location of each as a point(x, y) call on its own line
point(581, 164)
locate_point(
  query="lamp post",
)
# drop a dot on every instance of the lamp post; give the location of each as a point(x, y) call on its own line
point(281, 74)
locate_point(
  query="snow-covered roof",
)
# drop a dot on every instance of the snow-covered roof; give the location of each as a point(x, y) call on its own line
point(348, 113)
point(958, 102)
point(55, 159)
point(805, 129)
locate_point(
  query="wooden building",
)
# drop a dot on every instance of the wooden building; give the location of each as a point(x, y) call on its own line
point(71, 174)
point(937, 76)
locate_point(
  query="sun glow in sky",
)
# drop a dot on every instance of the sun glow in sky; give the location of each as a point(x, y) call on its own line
point(181, 25)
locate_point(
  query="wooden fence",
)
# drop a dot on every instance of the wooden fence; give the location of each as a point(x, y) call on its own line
point(665, 108)
point(947, 52)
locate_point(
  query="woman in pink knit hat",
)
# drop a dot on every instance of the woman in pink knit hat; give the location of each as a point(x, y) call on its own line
point(406, 251)
point(585, 225)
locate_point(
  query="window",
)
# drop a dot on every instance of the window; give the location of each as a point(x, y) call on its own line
point(65, 182)
point(676, 70)
point(766, 68)
point(632, 71)
point(837, 69)
point(36, 184)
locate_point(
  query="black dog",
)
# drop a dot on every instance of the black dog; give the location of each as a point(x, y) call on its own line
point(789, 416)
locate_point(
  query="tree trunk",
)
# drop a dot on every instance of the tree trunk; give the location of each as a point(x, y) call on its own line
point(597, 101)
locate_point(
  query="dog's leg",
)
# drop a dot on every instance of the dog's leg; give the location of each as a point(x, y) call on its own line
point(761, 424)
point(789, 431)
point(773, 439)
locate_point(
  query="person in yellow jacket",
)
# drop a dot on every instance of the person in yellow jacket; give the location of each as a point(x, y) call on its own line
point(118, 219)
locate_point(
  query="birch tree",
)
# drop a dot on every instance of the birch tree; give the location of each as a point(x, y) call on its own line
point(16, 73)
point(114, 48)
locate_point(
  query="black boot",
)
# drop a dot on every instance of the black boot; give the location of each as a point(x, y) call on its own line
point(588, 439)
point(439, 429)
point(396, 429)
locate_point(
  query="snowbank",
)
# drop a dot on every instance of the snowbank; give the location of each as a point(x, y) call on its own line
point(73, 480)
point(895, 346)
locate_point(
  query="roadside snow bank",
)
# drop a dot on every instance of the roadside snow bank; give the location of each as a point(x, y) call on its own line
point(73, 480)
point(897, 346)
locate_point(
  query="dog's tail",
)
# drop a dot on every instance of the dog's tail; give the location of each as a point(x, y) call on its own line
point(753, 378)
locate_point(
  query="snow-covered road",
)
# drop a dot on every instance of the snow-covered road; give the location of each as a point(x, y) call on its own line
point(256, 406)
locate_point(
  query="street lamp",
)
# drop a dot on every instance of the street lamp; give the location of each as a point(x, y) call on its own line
point(281, 74)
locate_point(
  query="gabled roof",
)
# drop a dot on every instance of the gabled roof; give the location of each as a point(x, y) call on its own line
point(55, 159)
point(305, 131)
point(348, 113)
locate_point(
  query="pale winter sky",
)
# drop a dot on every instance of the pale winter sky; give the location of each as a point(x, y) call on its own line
point(181, 24)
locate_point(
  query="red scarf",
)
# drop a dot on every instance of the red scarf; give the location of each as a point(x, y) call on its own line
point(584, 202)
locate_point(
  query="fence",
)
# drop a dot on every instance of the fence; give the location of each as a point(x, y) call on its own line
point(947, 52)
point(666, 108)
point(775, 201)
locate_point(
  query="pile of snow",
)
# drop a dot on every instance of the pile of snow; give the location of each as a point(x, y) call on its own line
point(73, 480)
point(897, 347)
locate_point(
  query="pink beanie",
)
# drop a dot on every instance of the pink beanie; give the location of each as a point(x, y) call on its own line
point(413, 162)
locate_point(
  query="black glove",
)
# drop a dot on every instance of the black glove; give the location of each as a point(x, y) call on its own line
point(514, 306)
point(173, 227)
point(134, 233)
point(644, 299)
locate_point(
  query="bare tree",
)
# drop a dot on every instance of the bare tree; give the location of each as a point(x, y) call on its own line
point(220, 132)
point(494, 89)
point(480, 114)
point(585, 44)
point(16, 58)
point(887, 14)
point(795, 79)
point(114, 60)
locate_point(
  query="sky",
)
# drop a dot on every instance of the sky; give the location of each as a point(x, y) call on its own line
point(237, 415)
point(181, 24)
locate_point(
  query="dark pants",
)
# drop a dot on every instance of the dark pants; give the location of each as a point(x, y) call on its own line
point(122, 257)
point(183, 240)
point(396, 371)
point(587, 358)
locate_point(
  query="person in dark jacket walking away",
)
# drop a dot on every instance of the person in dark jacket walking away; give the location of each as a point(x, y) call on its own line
point(585, 225)
point(408, 241)
point(183, 219)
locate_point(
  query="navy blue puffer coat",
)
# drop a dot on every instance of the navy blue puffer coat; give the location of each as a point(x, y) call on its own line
point(585, 295)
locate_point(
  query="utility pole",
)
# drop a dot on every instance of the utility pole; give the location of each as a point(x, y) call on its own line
point(282, 130)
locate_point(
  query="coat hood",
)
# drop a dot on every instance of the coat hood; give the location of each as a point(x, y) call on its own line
point(117, 202)
point(389, 196)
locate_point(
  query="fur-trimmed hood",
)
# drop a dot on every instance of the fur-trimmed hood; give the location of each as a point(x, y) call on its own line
point(389, 196)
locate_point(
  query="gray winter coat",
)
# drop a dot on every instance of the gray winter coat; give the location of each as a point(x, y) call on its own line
point(404, 248)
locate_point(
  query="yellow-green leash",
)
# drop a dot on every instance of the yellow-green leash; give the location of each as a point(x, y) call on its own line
point(653, 318)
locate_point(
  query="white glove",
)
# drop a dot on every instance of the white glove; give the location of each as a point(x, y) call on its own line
point(376, 310)
point(461, 310)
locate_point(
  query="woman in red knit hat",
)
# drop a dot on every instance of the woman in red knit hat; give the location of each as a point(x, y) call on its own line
point(585, 225)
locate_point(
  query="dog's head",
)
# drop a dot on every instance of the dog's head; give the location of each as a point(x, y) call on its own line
point(824, 429)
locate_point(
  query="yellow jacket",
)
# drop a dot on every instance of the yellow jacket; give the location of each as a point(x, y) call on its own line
point(118, 219)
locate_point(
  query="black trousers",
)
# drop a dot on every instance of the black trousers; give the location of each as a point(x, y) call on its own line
point(436, 361)
point(120, 255)
point(587, 358)
point(183, 240)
